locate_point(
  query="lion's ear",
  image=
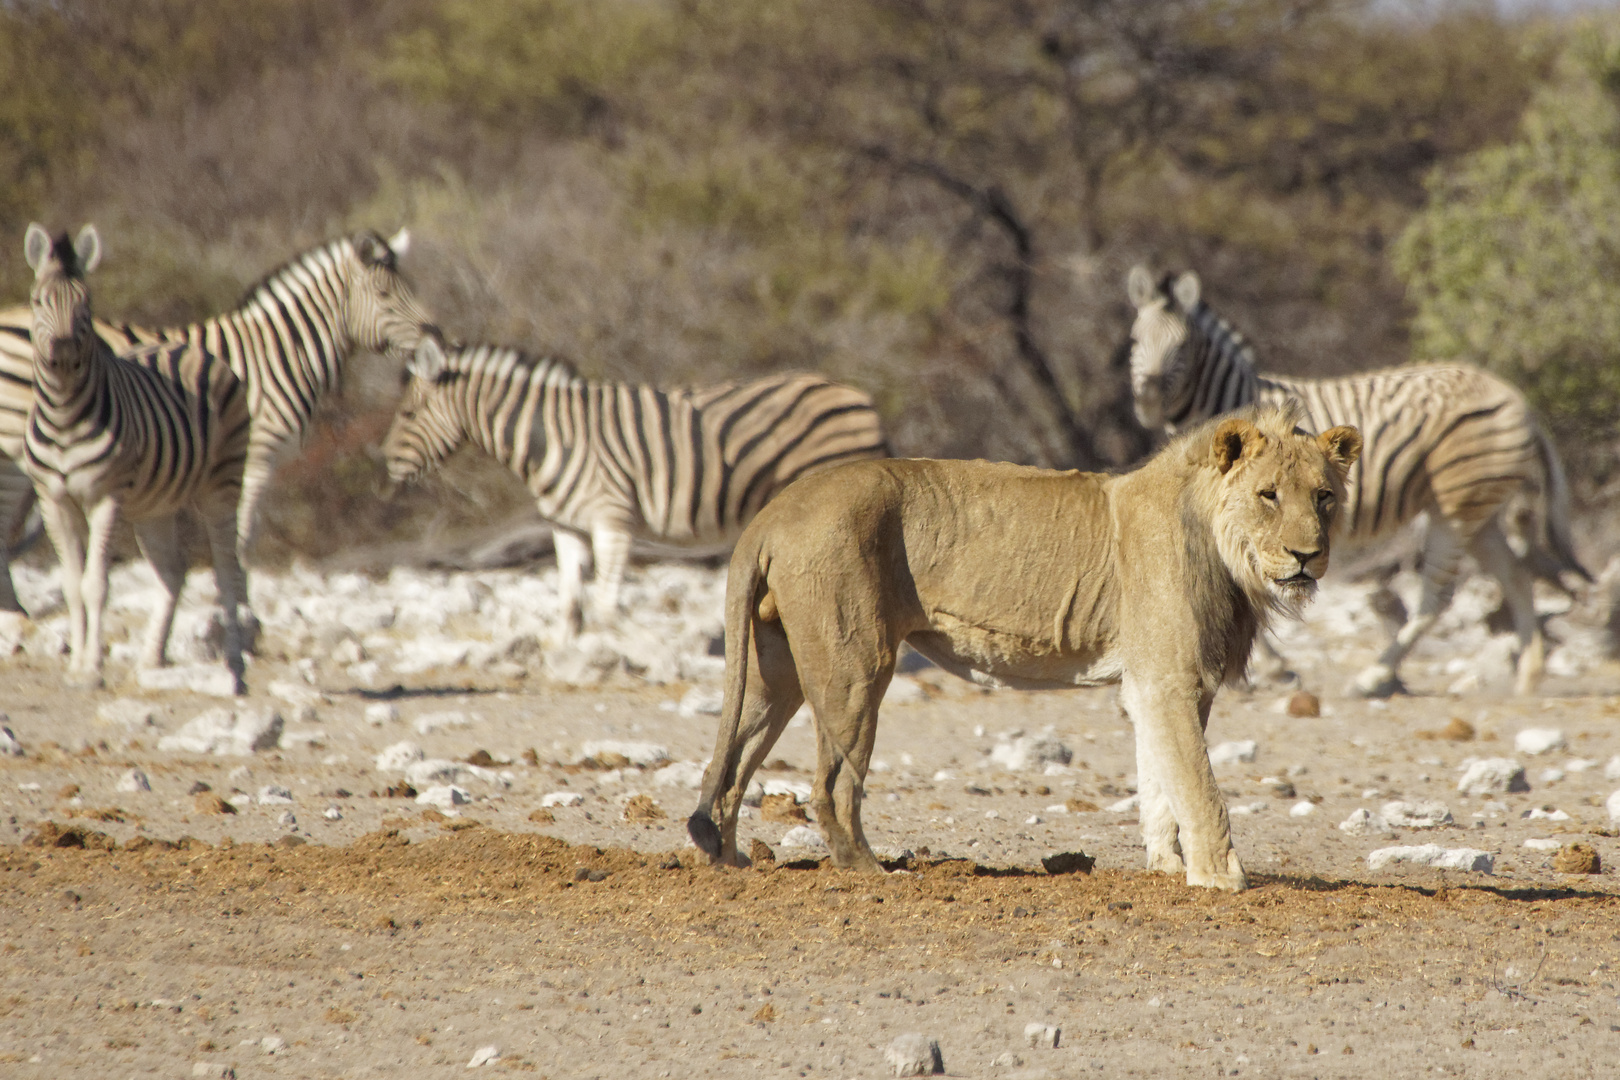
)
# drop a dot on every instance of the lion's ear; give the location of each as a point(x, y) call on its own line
point(1234, 438)
point(1342, 445)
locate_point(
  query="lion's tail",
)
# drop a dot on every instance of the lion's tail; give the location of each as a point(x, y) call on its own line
point(742, 587)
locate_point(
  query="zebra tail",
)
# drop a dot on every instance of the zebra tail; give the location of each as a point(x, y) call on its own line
point(742, 587)
point(1555, 511)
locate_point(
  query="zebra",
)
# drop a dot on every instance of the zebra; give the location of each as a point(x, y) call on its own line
point(141, 436)
point(1451, 440)
point(287, 341)
point(608, 462)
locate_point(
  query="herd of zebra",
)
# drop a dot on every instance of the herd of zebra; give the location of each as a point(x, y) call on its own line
point(100, 420)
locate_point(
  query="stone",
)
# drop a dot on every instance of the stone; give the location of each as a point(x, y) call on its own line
point(1042, 1036)
point(1304, 704)
point(1543, 844)
point(332, 813)
point(799, 789)
point(197, 678)
point(1416, 815)
point(1577, 858)
point(561, 798)
point(1611, 771)
point(1231, 753)
point(9, 746)
point(1613, 807)
point(701, 701)
point(685, 774)
point(379, 713)
point(1303, 808)
point(912, 1054)
point(271, 1044)
point(287, 820)
point(209, 803)
point(428, 723)
point(1545, 813)
point(213, 1070)
point(444, 795)
point(1006, 1060)
point(1435, 856)
point(134, 780)
point(399, 756)
point(484, 1055)
point(1493, 775)
point(1029, 751)
point(643, 755)
point(223, 732)
point(1538, 740)
point(1127, 805)
point(1364, 822)
point(435, 770)
point(130, 713)
point(272, 794)
point(803, 836)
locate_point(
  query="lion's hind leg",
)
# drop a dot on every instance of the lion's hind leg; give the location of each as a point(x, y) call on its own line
point(846, 705)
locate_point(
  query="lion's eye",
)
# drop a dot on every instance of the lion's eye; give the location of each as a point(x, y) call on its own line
point(1269, 494)
point(1324, 497)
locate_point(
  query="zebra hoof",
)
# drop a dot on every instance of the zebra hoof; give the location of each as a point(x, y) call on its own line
point(1377, 681)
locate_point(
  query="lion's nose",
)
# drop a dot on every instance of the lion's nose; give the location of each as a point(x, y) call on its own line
point(1304, 557)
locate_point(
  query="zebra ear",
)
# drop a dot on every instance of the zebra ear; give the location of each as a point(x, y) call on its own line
point(36, 245)
point(428, 361)
point(1234, 438)
point(372, 250)
point(400, 243)
point(1186, 290)
point(1342, 445)
point(88, 248)
point(1139, 286)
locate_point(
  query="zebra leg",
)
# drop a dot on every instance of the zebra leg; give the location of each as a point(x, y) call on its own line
point(1268, 665)
point(1497, 558)
point(101, 518)
point(159, 539)
point(16, 499)
point(610, 546)
point(230, 581)
point(1442, 553)
point(65, 528)
point(260, 466)
point(571, 551)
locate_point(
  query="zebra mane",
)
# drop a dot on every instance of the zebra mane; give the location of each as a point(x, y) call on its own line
point(305, 258)
point(64, 253)
point(461, 360)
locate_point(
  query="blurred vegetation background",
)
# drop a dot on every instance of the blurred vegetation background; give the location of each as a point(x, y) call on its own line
point(935, 200)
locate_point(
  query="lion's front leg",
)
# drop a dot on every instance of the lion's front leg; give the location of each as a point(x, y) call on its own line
point(1181, 805)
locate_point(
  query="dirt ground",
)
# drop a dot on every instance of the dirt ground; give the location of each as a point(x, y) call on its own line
point(336, 930)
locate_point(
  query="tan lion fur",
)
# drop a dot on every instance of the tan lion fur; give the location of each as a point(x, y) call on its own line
point(1157, 578)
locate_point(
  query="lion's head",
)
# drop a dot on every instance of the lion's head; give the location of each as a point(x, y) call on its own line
point(1272, 495)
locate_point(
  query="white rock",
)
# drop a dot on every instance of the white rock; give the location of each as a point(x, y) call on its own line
point(904, 690)
point(1548, 844)
point(211, 1069)
point(272, 793)
point(1029, 751)
point(803, 836)
point(914, 1055)
point(286, 820)
point(992, 814)
point(1057, 808)
point(428, 723)
point(435, 770)
point(398, 756)
point(9, 746)
point(562, 798)
point(332, 813)
point(1417, 815)
point(754, 794)
point(1364, 822)
point(1433, 855)
point(1538, 740)
point(271, 1044)
point(445, 795)
point(644, 755)
point(134, 780)
point(1579, 765)
point(701, 701)
point(485, 1055)
point(1042, 1036)
point(1611, 771)
point(128, 713)
point(1033, 819)
point(943, 775)
point(1493, 775)
point(1125, 805)
point(1303, 808)
point(379, 713)
point(1229, 753)
point(796, 788)
point(1550, 776)
point(686, 774)
point(295, 693)
point(1613, 806)
point(1246, 810)
point(221, 732)
point(207, 679)
point(311, 737)
point(1542, 813)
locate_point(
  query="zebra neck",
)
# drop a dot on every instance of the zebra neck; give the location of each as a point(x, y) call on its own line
point(285, 330)
point(505, 400)
point(62, 399)
point(1218, 373)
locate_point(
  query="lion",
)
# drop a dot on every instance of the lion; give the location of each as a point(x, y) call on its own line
point(1157, 579)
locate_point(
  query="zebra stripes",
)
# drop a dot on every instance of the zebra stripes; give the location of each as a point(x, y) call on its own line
point(287, 342)
point(616, 461)
point(1452, 441)
point(140, 437)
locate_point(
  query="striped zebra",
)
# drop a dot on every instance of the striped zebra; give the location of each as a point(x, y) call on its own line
point(287, 341)
point(141, 437)
point(1451, 441)
point(609, 462)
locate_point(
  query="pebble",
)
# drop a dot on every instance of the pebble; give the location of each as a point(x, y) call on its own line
point(1006, 1060)
point(1125, 805)
point(1544, 813)
point(271, 1044)
point(912, 1054)
point(1416, 815)
point(1551, 776)
point(1028, 751)
point(1493, 775)
point(225, 732)
point(9, 746)
point(1250, 808)
point(1538, 740)
point(1364, 822)
point(212, 1069)
point(286, 820)
point(428, 723)
point(1042, 1036)
point(379, 713)
point(127, 712)
point(398, 756)
point(1611, 771)
point(1434, 855)
point(1613, 807)
point(803, 836)
point(561, 798)
point(134, 780)
point(332, 813)
point(643, 755)
point(686, 774)
point(1303, 808)
point(1229, 753)
point(701, 701)
point(1537, 844)
point(444, 795)
point(484, 1055)
point(197, 678)
point(271, 794)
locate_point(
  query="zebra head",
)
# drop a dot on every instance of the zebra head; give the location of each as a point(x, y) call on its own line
point(1161, 329)
point(426, 428)
point(381, 311)
point(60, 299)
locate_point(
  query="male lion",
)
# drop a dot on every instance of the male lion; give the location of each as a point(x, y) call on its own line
point(1013, 576)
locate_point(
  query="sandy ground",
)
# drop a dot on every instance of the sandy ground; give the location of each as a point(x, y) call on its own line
point(329, 928)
